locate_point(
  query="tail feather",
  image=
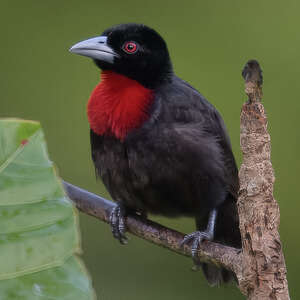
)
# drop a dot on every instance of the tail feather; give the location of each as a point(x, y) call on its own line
point(216, 275)
point(212, 273)
point(227, 230)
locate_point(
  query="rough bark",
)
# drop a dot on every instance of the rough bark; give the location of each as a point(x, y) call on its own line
point(259, 266)
point(264, 270)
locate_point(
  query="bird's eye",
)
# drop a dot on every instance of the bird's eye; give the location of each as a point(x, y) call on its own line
point(130, 47)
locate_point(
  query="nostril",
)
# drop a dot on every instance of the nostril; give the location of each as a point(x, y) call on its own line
point(101, 40)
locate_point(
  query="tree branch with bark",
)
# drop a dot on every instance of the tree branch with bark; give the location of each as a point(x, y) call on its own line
point(259, 266)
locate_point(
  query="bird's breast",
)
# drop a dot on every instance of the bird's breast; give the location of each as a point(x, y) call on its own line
point(117, 105)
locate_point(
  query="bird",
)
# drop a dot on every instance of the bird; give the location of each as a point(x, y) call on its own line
point(158, 145)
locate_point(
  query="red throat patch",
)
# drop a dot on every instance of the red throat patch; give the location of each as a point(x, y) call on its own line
point(117, 105)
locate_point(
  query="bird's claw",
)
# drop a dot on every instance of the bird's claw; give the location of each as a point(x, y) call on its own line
point(117, 222)
point(196, 237)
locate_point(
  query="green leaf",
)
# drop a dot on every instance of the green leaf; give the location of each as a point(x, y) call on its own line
point(67, 282)
point(38, 225)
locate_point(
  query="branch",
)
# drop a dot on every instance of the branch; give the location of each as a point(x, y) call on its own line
point(264, 270)
point(148, 230)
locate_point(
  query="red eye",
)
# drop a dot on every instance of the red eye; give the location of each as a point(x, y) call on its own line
point(130, 47)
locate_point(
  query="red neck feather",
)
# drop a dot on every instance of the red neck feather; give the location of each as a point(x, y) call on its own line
point(117, 105)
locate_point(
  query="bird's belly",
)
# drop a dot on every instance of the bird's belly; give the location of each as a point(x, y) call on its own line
point(147, 180)
point(141, 190)
point(162, 199)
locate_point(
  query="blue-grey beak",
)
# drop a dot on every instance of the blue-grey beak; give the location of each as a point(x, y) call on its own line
point(95, 48)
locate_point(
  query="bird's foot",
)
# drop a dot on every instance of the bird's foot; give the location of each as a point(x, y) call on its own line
point(117, 222)
point(196, 237)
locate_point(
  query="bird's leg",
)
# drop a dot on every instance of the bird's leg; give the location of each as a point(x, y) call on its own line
point(117, 222)
point(198, 236)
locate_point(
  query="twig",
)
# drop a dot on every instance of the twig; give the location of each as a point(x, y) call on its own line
point(101, 208)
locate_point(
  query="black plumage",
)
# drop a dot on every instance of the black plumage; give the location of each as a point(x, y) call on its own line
point(179, 162)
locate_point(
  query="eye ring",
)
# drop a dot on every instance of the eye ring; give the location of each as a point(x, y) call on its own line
point(130, 47)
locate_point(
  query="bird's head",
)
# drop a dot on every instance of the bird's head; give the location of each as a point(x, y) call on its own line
point(133, 50)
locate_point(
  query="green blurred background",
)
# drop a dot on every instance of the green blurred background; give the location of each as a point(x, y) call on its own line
point(209, 42)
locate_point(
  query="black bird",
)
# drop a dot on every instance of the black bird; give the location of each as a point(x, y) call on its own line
point(159, 146)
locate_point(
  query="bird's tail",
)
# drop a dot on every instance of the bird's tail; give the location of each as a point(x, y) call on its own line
point(227, 232)
point(215, 275)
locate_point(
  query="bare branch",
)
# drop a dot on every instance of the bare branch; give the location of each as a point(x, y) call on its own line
point(264, 270)
point(101, 208)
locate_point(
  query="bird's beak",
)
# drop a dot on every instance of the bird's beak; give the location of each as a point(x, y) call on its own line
point(95, 48)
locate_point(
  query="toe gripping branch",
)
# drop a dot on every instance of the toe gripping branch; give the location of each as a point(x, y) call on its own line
point(198, 236)
point(117, 222)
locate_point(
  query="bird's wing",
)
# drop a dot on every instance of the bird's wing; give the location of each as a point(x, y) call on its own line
point(199, 124)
